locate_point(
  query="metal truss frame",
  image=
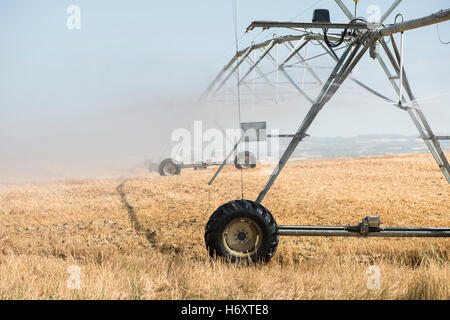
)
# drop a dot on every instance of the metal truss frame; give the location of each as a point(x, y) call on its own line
point(355, 45)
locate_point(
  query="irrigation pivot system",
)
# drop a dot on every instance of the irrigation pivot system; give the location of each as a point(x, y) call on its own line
point(169, 167)
point(244, 230)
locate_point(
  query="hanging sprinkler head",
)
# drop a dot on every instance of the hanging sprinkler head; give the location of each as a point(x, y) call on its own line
point(374, 49)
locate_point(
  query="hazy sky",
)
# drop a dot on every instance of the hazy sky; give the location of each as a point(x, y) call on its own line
point(118, 86)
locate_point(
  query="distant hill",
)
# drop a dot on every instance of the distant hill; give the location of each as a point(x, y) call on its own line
point(359, 146)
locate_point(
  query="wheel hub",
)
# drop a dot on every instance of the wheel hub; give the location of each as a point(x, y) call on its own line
point(170, 169)
point(242, 237)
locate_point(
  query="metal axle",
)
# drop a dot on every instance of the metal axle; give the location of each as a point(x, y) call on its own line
point(369, 227)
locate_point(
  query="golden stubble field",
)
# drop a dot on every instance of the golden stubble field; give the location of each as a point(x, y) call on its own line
point(142, 237)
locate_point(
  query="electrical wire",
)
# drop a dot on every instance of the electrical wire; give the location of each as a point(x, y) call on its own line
point(331, 44)
point(238, 84)
point(315, 4)
point(262, 31)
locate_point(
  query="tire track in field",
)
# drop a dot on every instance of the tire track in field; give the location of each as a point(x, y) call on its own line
point(149, 235)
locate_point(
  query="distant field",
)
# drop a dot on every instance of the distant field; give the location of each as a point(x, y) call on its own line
point(142, 237)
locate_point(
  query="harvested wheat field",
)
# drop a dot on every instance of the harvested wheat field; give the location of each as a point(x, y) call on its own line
point(142, 237)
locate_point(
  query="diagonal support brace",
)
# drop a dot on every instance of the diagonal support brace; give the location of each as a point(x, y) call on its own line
point(341, 71)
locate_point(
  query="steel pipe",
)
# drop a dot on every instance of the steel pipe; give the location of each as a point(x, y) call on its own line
point(306, 25)
point(355, 231)
point(437, 17)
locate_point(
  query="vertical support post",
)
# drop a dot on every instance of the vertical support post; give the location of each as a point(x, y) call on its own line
point(277, 70)
point(304, 69)
point(401, 71)
point(254, 83)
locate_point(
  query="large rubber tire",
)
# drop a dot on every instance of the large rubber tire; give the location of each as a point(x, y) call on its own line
point(221, 223)
point(245, 160)
point(168, 167)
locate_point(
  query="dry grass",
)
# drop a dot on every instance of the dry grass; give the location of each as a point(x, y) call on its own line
point(143, 238)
